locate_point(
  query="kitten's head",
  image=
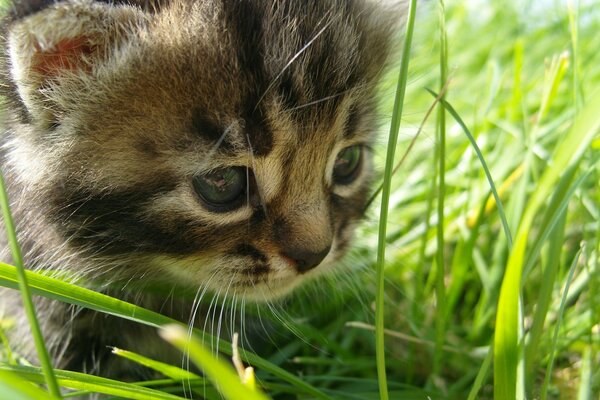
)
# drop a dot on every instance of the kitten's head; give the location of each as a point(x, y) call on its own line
point(221, 143)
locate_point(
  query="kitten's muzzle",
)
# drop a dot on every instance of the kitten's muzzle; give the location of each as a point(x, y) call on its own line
point(305, 259)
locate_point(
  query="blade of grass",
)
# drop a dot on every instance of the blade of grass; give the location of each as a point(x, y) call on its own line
point(561, 310)
point(557, 206)
point(556, 72)
point(552, 228)
point(15, 388)
point(462, 261)
point(164, 385)
point(585, 386)
point(73, 294)
point(385, 201)
point(590, 383)
point(411, 339)
point(506, 340)
point(573, 12)
point(36, 332)
point(543, 302)
point(517, 92)
point(416, 315)
point(223, 376)
point(440, 288)
point(488, 175)
point(412, 143)
point(481, 375)
point(91, 383)
point(167, 370)
point(8, 354)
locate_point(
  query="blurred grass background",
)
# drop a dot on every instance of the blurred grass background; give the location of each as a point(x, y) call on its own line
point(521, 73)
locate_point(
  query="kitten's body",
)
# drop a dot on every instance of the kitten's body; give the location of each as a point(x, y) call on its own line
point(118, 117)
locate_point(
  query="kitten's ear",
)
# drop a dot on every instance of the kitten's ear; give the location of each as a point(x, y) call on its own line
point(56, 49)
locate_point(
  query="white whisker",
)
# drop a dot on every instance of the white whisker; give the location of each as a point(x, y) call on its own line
point(291, 61)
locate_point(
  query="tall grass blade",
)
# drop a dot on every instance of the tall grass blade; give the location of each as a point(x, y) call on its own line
point(488, 175)
point(552, 228)
point(556, 73)
point(561, 310)
point(385, 201)
point(481, 375)
point(544, 299)
point(573, 12)
point(506, 340)
point(585, 386)
point(554, 212)
point(38, 338)
point(440, 288)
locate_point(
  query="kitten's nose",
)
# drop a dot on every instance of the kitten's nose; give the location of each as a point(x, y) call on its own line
point(305, 259)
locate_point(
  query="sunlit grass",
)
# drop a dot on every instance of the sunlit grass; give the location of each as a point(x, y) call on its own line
point(516, 312)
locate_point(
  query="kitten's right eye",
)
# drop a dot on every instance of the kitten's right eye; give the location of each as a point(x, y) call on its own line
point(347, 165)
point(223, 189)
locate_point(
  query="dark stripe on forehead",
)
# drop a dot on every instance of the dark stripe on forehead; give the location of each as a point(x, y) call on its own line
point(245, 20)
point(289, 91)
point(260, 136)
point(321, 69)
point(205, 127)
point(352, 120)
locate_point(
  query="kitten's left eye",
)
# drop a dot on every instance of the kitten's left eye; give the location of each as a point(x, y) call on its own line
point(347, 165)
point(223, 189)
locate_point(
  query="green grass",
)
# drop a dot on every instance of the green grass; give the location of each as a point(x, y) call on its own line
point(28, 305)
point(385, 200)
point(492, 248)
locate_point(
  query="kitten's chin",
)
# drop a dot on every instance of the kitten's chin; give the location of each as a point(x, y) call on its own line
point(269, 291)
point(233, 278)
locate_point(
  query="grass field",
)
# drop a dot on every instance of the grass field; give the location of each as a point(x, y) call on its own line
point(487, 293)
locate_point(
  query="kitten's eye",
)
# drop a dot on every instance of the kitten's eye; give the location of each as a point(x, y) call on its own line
point(223, 189)
point(347, 165)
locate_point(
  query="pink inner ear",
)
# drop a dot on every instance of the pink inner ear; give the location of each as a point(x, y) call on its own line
point(67, 54)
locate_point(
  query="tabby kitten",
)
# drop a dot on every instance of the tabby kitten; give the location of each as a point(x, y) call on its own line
point(214, 144)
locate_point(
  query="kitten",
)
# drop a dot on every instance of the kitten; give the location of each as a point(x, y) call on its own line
point(214, 144)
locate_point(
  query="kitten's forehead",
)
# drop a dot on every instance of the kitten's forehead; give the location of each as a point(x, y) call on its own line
point(245, 64)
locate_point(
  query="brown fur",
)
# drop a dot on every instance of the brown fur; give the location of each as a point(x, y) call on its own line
point(113, 109)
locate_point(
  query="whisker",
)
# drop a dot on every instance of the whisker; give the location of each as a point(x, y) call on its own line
point(224, 299)
point(186, 354)
point(312, 103)
point(294, 58)
point(195, 307)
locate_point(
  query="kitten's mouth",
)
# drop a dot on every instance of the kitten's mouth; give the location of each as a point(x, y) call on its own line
point(267, 289)
point(285, 274)
point(256, 276)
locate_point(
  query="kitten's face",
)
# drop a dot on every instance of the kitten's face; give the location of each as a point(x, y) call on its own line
point(223, 144)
